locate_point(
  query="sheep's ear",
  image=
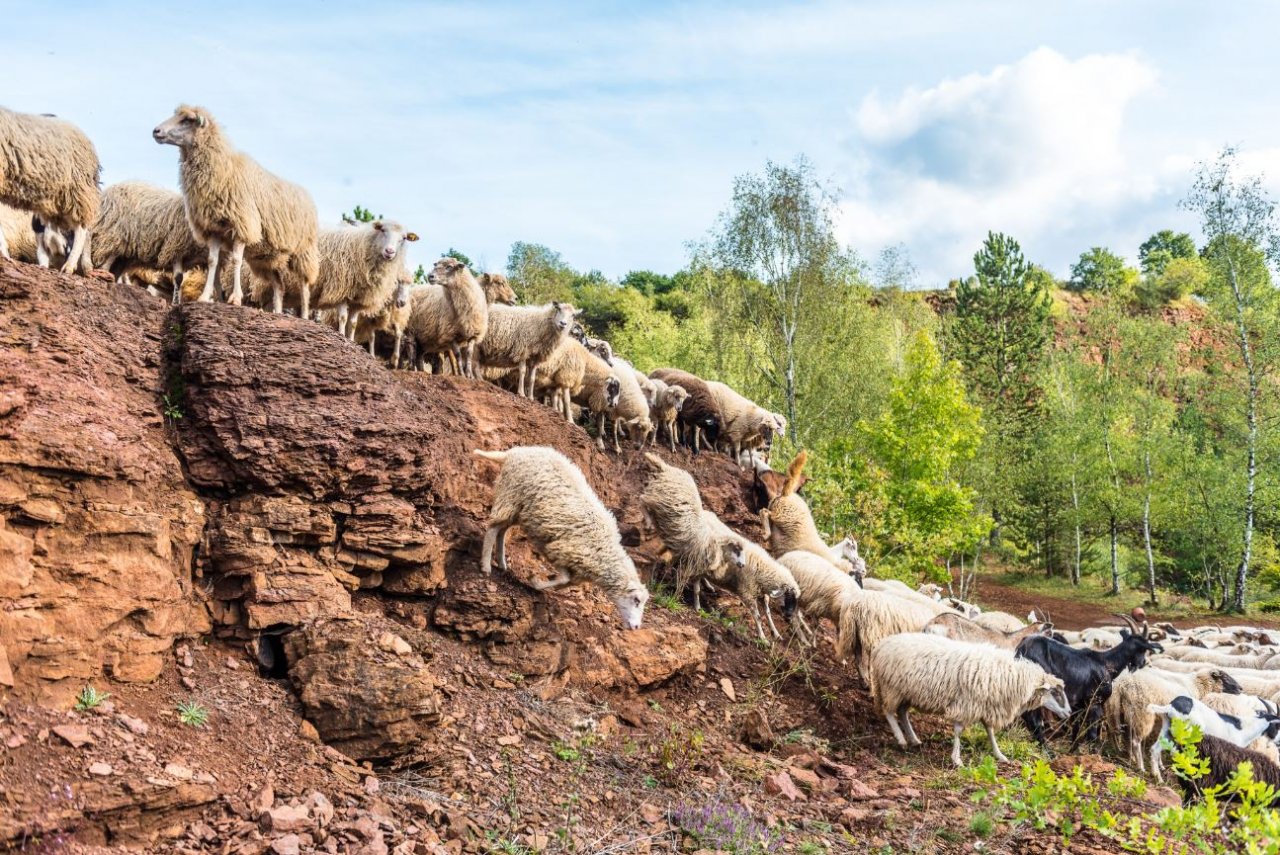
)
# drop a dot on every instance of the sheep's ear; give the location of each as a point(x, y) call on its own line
point(411, 236)
point(555, 304)
point(579, 312)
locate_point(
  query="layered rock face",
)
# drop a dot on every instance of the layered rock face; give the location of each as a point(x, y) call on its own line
point(171, 472)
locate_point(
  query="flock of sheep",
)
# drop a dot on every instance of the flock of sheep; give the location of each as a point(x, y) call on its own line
point(237, 229)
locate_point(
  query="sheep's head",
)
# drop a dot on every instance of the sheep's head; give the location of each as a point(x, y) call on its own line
point(599, 347)
point(631, 602)
point(184, 127)
point(401, 297)
point(677, 395)
point(733, 553)
point(445, 271)
point(389, 238)
point(790, 596)
point(497, 289)
point(562, 315)
point(612, 392)
point(1224, 682)
point(1050, 694)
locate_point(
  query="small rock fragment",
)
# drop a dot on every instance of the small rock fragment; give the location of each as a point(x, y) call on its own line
point(182, 773)
point(100, 769)
point(75, 735)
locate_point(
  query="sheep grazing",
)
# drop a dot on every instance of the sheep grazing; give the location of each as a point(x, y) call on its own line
point(497, 289)
point(234, 203)
point(824, 593)
point(759, 578)
point(745, 425)
point(673, 505)
point(668, 400)
point(1132, 694)
point(144, 227)
point(18, 232)
point(960, 628)
point(543, 492)
point(1241, 732)
point(49, 167)
point(965, 683)
point(700, 417)
point(522, 337)
point(1224, 759)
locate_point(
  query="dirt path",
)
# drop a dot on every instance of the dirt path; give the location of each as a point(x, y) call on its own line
point(992, 593)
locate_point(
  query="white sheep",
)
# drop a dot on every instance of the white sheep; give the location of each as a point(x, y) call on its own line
point(18, 232)
point(49, 167)
point(572, 373)
point(869, 617)
point(1132, 692)
point(824, 592)
point(391, 319)
point(522, 337)
point(543, 492)
point(999, 622)
point(759, 578)
point(965, 683)
point(632, 409)
point(233, 202)
point(746, 424)
point(449, 316)
point(960, 628)
point(673, 506)
point(668, 399)
point(144, 227)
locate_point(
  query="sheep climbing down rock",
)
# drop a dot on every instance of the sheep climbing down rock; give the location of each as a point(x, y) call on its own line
point(543, 492)
point(50, 168)
point(233, 203)
point(965, 683)
point(142, 227)
point(759, 579)
point(522, 337)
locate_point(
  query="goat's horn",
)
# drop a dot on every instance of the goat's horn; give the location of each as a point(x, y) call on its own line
point(1133, 625)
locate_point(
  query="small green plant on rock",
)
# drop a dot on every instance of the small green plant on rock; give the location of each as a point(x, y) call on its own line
point(90, 698)
point(193, 714)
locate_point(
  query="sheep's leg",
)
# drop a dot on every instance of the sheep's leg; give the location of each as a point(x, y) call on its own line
point(697, 438)
point(520, 379)
point(955, 745)
point(177, 282)
point(4, 247)
point(1157, 748)
point(494, 536)
point(353, 320)
point(768, 614)
point(215, 251)
point(343, 313)
point(533, 376)
point(755, 616)
point(904, 715)
point(372, 337)
point(305, 297)
point(617, 449)
point(600, 431)
point(802, 628)
point(237, 289)
point(1135, 751)
point(80, 236)
point(897, 731)
point(995, 747)
point(395, 354)
point(42, 249)
point(697, 597)
point(561, 579)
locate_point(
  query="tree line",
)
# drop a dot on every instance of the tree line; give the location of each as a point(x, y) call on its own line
point(1114, 427)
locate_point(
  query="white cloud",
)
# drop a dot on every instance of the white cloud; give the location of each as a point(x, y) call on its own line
point(1038, 149)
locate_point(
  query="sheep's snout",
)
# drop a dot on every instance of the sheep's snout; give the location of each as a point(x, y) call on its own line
point(388, 252)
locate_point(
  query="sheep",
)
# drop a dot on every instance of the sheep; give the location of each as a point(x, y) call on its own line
point(668, 400)
point(760, 577)
point(543, 492)
point(18, 232)
point(1224, 759)
point(523, 337)
point(497, 289)
point(632, 409)
point(673, 506)
point(1134, 691)
point(571, 373)
point(700, 417)
point(448, 316)
point(1264, 684)
point(744, 422)
point(233, 202)
point(966, 683)
point(392, 318)
point(49, 167)
point(869, 617)
point(960, 628)
point(142, 226)
point(1239, 656)
point(1211, 723)
point(824, 592)
point(847, 550)
point(999, 622)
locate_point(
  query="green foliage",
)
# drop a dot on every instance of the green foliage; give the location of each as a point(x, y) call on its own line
point(677, 755)
point(1102, 271)
point(360, 215)
point(1177, 278)
point(1162, 248)
point(664, 597)
point(564, 751)
point(193, 714)
point(90, 698)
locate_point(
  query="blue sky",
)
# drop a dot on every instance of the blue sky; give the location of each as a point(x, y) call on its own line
point(612, 131)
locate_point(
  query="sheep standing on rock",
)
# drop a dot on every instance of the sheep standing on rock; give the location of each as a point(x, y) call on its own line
point(144, 227)
point(571, 373)
point(50, 168)
point(392, 319)
point(233, 202)
point(522, 337)
point(673, 505)
point(17, 231)
point(668, 400)
point(965, 683)
point(746, 425)
point(543, 492)
point(700, 418)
